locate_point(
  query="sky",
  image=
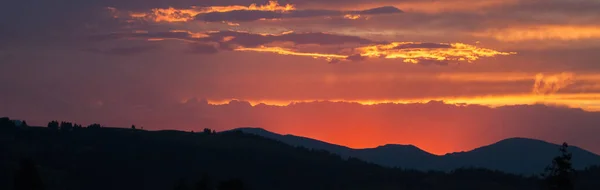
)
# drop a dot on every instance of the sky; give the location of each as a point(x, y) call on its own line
point(444, 75)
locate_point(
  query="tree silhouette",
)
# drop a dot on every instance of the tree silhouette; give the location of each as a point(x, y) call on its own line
point(24, 124)
point(66, 126)
point(27, 177)
point(133, 127)
point(207, 131)
point(559, 174)
point(94, 126)
point(77, 126)
point(5, 122)
point(53, 125)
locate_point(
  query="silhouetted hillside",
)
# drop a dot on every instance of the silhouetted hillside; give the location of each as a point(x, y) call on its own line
point(99, 158)
point(515, 155)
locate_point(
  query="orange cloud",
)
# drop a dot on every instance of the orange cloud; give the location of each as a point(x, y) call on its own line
point(410, 52)
point(413, 52)
point(184, 15)
point(196, 35)
point(545, 32)
point(352, 16)
point(553, 83)
point(586, 102)
point(284, 51)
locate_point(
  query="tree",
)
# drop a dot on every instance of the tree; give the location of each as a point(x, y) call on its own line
point(559, 175)
point(207, 131)
point(53, 125)
point(94, 126)
point(24, 124)
point(77, 126)
point(27, 177)
point(133, 127)
point(66, 126)
point(5, 122)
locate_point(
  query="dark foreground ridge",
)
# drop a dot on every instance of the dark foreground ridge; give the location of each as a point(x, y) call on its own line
point(514, 155)
point(99, 158)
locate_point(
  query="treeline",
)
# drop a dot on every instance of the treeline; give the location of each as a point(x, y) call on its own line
point(7, 123)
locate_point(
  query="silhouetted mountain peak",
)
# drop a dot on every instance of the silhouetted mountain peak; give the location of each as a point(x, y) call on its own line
point(252, 129)
point(518, 140)
point(407, 148)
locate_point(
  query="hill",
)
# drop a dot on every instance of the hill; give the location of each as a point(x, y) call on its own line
point(112, 158)
point(514, 155)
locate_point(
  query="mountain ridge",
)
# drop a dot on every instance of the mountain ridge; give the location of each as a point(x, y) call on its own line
point(518, 155)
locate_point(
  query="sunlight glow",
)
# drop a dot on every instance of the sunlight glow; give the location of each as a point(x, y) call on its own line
point(588, 102)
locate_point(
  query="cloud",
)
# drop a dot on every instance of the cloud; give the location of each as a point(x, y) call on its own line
point(409, 52)
point(415, 52)
point(543, 32)
point(203, 49)
point(246, 16)
point(185, 15)
point(240, 13)
point(238, 37)
point(551, 84)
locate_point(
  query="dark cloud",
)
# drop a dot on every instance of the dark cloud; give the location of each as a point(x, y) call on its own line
point(239, 16)
point(239, 38)
point(245, 16)
point(203, 49)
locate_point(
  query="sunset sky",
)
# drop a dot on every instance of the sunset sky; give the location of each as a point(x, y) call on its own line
point(444, 75)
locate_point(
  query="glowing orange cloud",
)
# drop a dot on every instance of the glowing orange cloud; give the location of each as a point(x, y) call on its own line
point(284, 51)
point(351, 16)
point(409, 54)
point(545, 32)
point(551, 84)
point(185, 15)
point(192, 34)
point(413, 53)
point(586, 102)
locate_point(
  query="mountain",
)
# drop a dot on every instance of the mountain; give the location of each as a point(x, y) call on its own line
point(514, 155)
point(123, 159)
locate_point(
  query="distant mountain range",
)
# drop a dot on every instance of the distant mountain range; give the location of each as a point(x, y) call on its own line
point(514, 155)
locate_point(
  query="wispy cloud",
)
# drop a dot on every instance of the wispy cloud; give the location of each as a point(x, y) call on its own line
point(409, 52)
point(240, 13)
point(544, 32)
point(184, 15)
point(550, 84)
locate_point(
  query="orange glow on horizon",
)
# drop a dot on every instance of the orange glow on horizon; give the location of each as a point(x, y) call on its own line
point(588, 102)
